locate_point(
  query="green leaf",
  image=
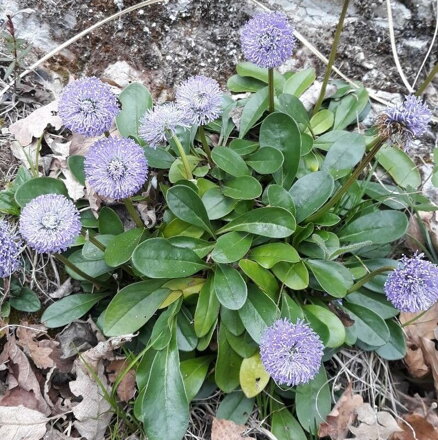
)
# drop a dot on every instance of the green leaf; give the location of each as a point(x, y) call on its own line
point(294, 276)
point(76, 166)
point(395, 348)
point(239, 84)
point(177, 227)
point(258, 313)
point(379, 227)
point(268, 222)
point(216, 204)
point(349, 109)
point(400, 167)
point(68, 309)
point(268, 255)
point(247, 69)
point(290, 309)
point(188, 207)
point(37, 187)
point(334, 324)
point(109, 222)
point(229, 161)
point(200, 247)
point(310, 192)
point(164, 390)
point(243, 146)
point(281, 132)
point(243, 345)
point(135, 99)
point(158, 258)
point(232, 321)
point(93, 268)
point(285, 426)
point(322, 121)
point(231, 247)
point(279, 197)
point(299, 82)
point(293, 107)
point(133, 306)
point(230, 288)
point(194, 372)
point(227, 364)
point(242, 188)
point(373, 301)
point(313, 402)
point(158, 158)
point(120, 250)
point(333, 277)
point(253, 376)
point(26, 301)
point(185, 333)
point(369, 326)
point(92, 252)
point(253, 110)
point(344, 154)
point(235, 407)
point(177, 170)
point(207, 310)
point(267, 160)
point(261, 277)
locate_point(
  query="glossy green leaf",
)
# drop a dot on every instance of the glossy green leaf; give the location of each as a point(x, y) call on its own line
point(253, 376)
point(159, 158)
point(230, 287)
point(242, 188)
point(185, 333)
point(235, 407)
point(133, 306)
point(76, 166)
point(395, 348)
point(285, 426)
point(109, 222)
point(310, 192)
point(158, 258)
point(200, 247)
point(232, 321)
point(231, 247)
point(267, 160)
point(239, 84)
point(290, 309)
point(177, 227)
point(295, 276)
point(91, 252)
point(216, 204)
point(194, 372)
point(93, 268)
point(293, 107)
point(37, 187)
point(120, 250)
point(268, 255)
point(299, 82)
point(207, 310)
point(229, 161)
point(279, 197)
point(253, 110)
point(373, 301)
point(260, 277)
point(268, 222)
point(350, 107)
point(322, 121)
point(243, 344)
point(247, 69)
point(243, 146)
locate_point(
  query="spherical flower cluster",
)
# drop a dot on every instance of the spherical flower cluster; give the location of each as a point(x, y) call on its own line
point(9, 250)
point(88, 106)
point(160, 123)
point(291, 353)
point(404, 122)
point(116, 167)
point(267, 39)
point(50, 223)
point(200, 98)
point(413, 286)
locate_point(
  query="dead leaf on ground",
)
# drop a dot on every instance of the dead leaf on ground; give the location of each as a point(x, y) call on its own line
point(342, 416)
point(21, 423)
point(126, 389)
point(26, 338)
point(374, 425)
point(227, 430)
point(34, 125)
point(416, 427)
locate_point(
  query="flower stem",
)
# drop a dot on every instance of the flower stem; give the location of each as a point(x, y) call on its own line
point(375, 147)
point(205, 145)
point(332, 57)
point(183, 156)
point(271, 89)
point(133, 212)
point(76, 269)
point(368, 277)
point(415, 318)
point(37, 154)
point(427, 81)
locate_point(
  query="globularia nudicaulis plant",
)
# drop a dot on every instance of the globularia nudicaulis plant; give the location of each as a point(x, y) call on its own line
point(272, 243)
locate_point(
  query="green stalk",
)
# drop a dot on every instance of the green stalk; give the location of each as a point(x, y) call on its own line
point(271, 89)
point(411, 321)
point(205, 145)
point(375, 147)
point(427, 81)
point(332, 57)
point(368, 277)
point(81, 273)
point(37, 154)
point(183, 156)
point(133, 212)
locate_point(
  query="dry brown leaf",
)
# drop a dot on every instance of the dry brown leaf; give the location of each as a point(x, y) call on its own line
point(21, 423)
point(34, 125)
point(38, 353)
point(227, 430)
point(416, 427)
point(342, 416)
point(374, 425)
point(126, 389)
point(17, 396)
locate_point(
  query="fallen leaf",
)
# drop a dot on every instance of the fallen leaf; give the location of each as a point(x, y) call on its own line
point(342, 416)
point(374, 425)
point(75, 189)
point(17, 396)
point(416, 427)
point(227, 430)
point(21, 423)
point(34, 125)
point(126, 389)
point(38, 353)
point(76, 338)
point(26, 155)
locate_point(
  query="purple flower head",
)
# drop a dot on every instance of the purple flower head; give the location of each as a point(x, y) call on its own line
point(413, 286)
point(291, 353)
point(160, 123)
point(200, 98)
point(9, 250)
point(267, 39)
point(406, 121)
point(116, 167)
point(88, 106)
point(50, 223)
